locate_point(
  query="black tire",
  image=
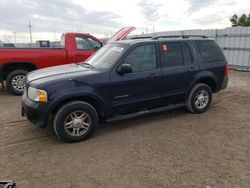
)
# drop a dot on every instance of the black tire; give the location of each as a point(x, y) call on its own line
point(11, 87)
point(65, 112)
point(200, 107)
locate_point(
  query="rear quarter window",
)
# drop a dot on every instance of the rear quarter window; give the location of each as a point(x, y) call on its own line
point(210, 51)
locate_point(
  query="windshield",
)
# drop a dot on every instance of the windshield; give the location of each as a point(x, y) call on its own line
point(106, 56)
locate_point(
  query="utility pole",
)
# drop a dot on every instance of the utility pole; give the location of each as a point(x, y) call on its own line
point(30, 26)
point(54, 35)
point(14, 37)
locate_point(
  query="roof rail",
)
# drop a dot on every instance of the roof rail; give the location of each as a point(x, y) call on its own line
point(142, 37)
point(178, 36)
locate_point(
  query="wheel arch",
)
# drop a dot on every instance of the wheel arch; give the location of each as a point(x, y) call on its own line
point(93, 100)
point(209, 80)
point(8, 67)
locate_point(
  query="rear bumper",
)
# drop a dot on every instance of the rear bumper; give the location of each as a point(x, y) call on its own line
point(34, 111)
point(1, 74)
point(224, 83)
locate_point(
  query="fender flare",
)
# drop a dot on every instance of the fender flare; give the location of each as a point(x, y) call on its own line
point(17, 63)
point(101, 107)
point(202, 77)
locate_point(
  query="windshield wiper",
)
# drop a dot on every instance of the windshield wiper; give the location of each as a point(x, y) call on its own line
point(86, 65)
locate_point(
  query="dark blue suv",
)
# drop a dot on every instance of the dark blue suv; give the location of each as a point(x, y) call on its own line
point(126, 79)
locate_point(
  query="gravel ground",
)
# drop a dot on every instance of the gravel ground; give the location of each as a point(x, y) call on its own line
point(168, 149)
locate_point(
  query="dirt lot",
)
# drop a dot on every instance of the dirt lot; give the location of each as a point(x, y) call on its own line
point(169, 149)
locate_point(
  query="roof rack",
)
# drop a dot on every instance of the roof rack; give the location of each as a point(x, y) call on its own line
point(178, 36)
point(142, 37)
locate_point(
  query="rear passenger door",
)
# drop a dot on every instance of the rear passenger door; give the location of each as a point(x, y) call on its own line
point(178, 70)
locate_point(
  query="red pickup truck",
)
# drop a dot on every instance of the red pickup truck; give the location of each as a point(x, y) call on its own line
point(75, 47)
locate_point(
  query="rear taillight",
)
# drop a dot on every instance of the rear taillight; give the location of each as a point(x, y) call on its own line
point(226, 70)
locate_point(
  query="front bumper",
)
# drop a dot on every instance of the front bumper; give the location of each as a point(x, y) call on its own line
point(34, 111)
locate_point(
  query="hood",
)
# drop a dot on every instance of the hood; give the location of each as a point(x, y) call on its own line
point(55, 71)
point(121, 34)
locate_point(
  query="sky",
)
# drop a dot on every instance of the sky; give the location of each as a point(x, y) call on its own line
point(51, 18)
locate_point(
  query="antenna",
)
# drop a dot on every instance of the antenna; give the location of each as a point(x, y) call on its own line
point(30, 26)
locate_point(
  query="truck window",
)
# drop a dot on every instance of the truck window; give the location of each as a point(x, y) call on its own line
point(142, 58)
point(210, 51)
point(62, 42)
point(86, 43)
point(96, 44)
point(172, 54)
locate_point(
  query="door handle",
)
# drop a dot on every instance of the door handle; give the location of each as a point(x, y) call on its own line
point(192, 69)
point(153, 75)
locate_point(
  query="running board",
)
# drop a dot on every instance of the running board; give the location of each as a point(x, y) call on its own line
point(141, 113)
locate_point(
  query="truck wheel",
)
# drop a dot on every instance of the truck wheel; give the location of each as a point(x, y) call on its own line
point(15, 81)
point(75, 121)
point(199, 99)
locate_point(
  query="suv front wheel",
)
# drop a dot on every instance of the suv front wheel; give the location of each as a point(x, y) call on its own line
point(199, 99)
point(75, 121)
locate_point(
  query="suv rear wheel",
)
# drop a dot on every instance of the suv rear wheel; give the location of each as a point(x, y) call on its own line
point(75, 121)
point(15, 81)
point(199, 99)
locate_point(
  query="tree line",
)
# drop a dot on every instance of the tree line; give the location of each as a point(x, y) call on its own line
point(243, 20)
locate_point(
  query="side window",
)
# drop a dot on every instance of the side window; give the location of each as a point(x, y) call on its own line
point(62, 43)
point(142, 58)
point(210, 51)
point(96, 44)
point(172, 54)
point(188, 59)
point(86, 43)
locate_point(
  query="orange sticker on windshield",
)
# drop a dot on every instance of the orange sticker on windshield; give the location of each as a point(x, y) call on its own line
point(165, 47)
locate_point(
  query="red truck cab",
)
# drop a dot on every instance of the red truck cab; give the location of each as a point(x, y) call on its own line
point(75, 47)
point(79, 46)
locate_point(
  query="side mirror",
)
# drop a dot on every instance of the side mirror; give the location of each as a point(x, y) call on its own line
point(124, 68)
point(98, 46)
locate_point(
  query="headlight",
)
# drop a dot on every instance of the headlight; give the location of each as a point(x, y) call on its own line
point(37, 95)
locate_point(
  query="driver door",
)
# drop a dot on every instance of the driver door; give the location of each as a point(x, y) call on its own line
point(139, 89)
